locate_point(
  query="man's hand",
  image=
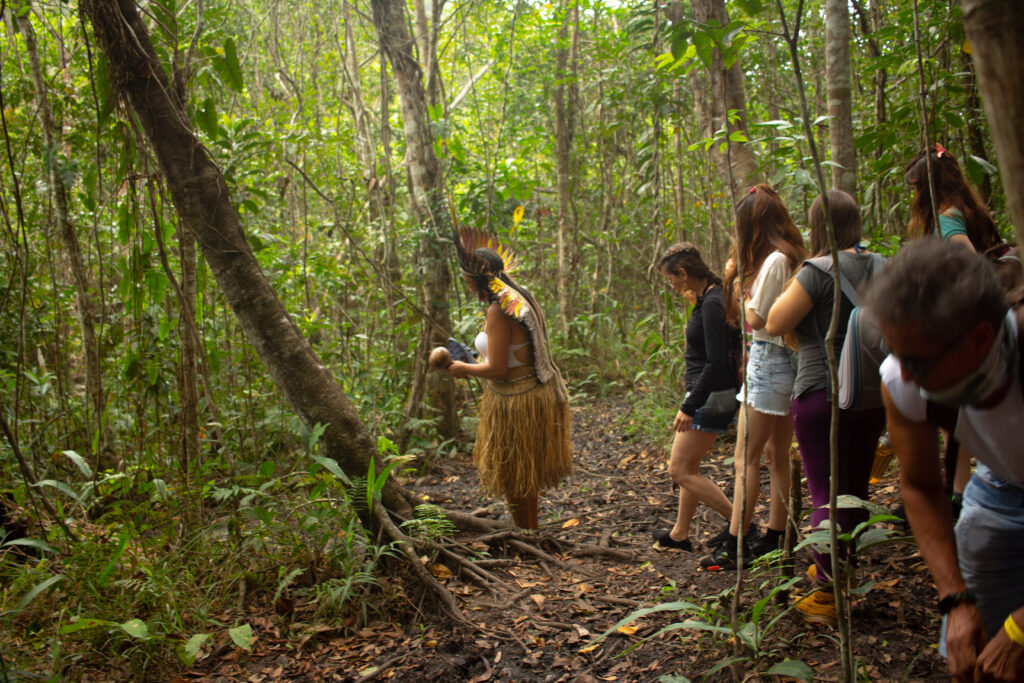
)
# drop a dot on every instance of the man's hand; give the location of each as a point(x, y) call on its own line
point(1001, 660)
point(683, 422)
point(965, 639)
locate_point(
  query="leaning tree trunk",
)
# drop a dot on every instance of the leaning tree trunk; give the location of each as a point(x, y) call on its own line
point(994, 28)
point(203, 202)
point(428, 203)
point(840, 95)
point(738, 169)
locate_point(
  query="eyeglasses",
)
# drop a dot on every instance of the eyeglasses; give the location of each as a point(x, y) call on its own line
point(922, 367)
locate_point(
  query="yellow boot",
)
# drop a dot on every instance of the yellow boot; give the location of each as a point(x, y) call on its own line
point(818, 608)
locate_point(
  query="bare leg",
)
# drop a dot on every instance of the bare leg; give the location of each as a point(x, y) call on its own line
point(688, 449)
point(758, 427)
point(777, 453)
point(524, 512)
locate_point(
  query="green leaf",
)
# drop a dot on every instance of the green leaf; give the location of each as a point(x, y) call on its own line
point(37, 589)
point(30, 543)
point(60, 486)
point(793, 668)
point(241, 636)
point(80, 463)
point(190, 649)
point(112, 562)
point(331, 466)
point(206, 117)
point(83, 623)
point(136, 628)
point(232, 69)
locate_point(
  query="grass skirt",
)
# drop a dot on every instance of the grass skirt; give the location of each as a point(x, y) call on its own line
point(523, 444)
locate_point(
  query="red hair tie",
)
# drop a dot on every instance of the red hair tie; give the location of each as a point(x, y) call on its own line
point(753, 189)
point(939, 150)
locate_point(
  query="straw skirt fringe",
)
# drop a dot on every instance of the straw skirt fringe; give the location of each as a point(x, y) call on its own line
point(523, 443)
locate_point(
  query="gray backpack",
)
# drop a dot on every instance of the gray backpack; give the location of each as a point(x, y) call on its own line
point(864, 348)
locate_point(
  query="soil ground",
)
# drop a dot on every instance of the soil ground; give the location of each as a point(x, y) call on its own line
point(541, 626)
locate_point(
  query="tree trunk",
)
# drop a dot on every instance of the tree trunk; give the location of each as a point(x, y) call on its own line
point(738, 169)
point(563, 146)
point(69, 236)
point(428, 203)
point(840, 95)
point(202, 199)
point(994, 28)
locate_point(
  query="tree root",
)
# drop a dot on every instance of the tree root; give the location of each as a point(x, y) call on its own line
point(592, 550)
point(408, 546)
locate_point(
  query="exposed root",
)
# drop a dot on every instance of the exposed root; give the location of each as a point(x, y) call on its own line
point(602, 551)
point(408, 546)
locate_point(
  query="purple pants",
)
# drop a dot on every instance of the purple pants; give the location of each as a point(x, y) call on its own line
point(858, 435)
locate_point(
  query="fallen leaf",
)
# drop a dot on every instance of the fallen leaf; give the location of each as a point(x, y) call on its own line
point(628, 630)
point(571, 523)
point(538, 599)
point(590, 648)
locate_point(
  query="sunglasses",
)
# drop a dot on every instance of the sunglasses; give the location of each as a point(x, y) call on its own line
point(919, 368)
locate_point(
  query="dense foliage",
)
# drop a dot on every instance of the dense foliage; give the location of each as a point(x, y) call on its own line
point(297, 105)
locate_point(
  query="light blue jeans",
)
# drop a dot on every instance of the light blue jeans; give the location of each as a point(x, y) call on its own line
point(990, 547)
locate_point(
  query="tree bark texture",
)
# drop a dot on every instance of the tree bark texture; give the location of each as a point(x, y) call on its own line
point(840, 95)
point(738, 169)
point(202, 199)
point(428, 202)
point(994, 28)
point(69, 236)
point(563, 146)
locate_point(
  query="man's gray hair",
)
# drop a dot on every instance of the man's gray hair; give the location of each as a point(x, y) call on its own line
point(944, 286)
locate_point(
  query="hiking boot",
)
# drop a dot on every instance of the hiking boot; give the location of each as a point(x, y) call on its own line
point(724, 559)
point(818, 608)
point(663, 541)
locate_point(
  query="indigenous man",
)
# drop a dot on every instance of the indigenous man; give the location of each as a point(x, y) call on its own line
point(955, 349)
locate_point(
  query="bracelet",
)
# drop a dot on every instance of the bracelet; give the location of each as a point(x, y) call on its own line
point(1013, 630)
point(953, 599)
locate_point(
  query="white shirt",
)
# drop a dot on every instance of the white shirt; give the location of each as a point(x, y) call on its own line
point(995, 435)
point(767, 287)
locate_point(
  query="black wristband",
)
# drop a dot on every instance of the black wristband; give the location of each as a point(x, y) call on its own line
point(953, 599)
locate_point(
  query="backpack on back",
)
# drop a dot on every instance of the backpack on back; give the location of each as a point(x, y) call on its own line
point(864, 348)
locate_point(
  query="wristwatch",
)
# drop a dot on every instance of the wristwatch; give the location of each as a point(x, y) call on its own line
point(953, 599)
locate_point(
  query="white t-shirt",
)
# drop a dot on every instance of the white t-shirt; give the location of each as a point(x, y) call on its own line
point(767, 287)
point(995, 435)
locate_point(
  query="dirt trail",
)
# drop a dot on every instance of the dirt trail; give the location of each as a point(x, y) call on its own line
point(540, 626)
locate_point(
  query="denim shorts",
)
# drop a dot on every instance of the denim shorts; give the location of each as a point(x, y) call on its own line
point(990, 546)
point(770, 375)
point(715, 422)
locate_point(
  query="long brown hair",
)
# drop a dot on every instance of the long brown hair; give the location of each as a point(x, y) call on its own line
point(846, 220)
point(763, 225)
point(951, 191)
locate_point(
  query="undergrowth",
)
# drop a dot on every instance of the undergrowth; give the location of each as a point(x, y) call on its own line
point(142, 579)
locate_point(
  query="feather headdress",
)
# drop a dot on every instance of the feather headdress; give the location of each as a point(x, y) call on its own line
point(512, 302)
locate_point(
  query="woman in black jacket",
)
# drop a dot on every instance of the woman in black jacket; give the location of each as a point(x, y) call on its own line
point(710, 403)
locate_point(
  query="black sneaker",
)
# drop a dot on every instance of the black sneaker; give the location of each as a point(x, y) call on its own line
point(764, 544)
point(724, 559)
point(664, 541)
point(719, 539)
